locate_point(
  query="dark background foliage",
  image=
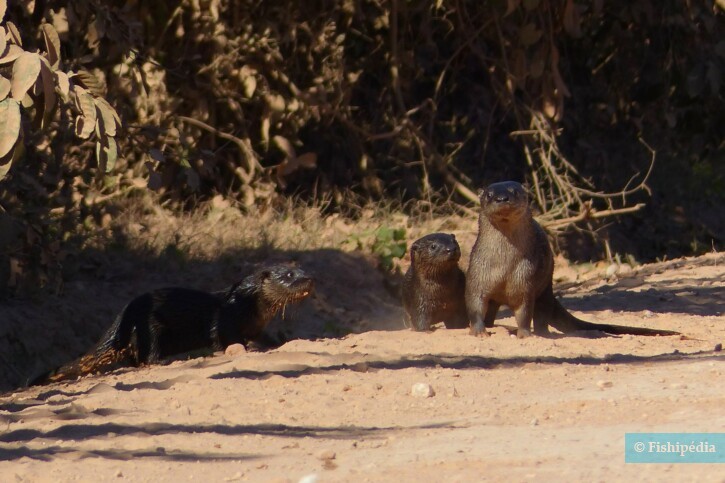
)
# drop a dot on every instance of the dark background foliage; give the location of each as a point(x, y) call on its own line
point(259, 100)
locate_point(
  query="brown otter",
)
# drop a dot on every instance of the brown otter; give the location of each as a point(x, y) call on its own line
point(175, 320)
point(434, 285)
point(512, 264)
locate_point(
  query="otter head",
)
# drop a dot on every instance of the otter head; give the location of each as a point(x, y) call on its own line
point(281, 284)
point(504, 202)
point(437, 250)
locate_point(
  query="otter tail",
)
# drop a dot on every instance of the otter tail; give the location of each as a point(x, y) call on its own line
point(547, 309)
point(114, 349)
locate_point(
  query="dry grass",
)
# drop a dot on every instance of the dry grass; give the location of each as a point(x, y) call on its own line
point(222, 226)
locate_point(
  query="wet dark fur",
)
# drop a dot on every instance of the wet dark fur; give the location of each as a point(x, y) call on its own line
point(175, 320)
point(512, 264)
point(434, 285)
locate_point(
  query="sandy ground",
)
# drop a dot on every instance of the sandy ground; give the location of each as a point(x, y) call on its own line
point(341, 409)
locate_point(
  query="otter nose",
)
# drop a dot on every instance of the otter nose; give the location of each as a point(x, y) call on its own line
point(502, 197)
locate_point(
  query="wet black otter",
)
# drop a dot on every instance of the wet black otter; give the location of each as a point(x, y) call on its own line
point(175, 320)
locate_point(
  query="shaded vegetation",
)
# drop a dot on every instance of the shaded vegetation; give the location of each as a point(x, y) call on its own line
point(258, 101)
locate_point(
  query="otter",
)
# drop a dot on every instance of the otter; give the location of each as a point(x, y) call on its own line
point(434, 285)
point(512, 264)
point(174, 320)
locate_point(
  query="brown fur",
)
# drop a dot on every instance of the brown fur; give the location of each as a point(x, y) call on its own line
point(512, 264)
point(434, 285)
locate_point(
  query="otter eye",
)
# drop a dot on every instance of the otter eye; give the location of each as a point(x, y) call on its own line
point(489, 195)
point(434, 246)
point(289, 275)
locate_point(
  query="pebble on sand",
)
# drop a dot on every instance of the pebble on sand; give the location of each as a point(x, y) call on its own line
point(235, 349)
point(422, 389)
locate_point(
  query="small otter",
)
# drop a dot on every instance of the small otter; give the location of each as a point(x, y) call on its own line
point(434, 285)
point(175, 320)
point(512, 264)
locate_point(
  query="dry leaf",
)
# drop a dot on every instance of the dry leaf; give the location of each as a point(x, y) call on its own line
point(105, 119)
point(10, 127)
point(14, 34)
point(12, 53)
point(275, 102)
point(52, 45)
point(63, 83)
point(90, 82)
point(109, 108)
point(4, 87)
point(3, 9)
point(25, 72)
point(248, 80)
point(3, 42)
point(84, 103)
point(106, 153)
point(283, 143)
point(79, 125)
point(49, 96)
point(264, 132)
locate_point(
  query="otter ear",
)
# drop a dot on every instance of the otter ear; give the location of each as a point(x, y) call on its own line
point(453, 236)
point(265, 274)
point(480, 192)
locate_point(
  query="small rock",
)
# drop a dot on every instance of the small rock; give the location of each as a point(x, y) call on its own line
point(119, 474)
point(678, 385)
point(534, 422)
point(235, 349)
point(602, 384)
point(326, 454)
point(311, 478)
point(422, 389)
point(718, 347)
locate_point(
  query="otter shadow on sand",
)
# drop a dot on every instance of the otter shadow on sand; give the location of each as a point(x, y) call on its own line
point(467, 362)
point(52, 452)
point(81, 432)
